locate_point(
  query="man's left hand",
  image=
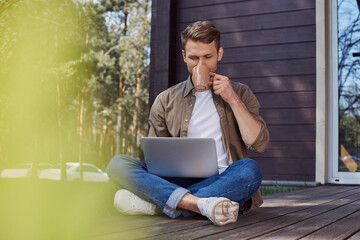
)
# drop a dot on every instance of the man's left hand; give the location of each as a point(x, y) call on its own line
point(222, 86)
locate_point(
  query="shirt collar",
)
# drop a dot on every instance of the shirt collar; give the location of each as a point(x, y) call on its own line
point(188, 87)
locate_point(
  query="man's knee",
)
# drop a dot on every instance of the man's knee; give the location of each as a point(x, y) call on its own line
point(121, 163)
point(252, 169)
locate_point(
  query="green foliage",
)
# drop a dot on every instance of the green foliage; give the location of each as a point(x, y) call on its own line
point(273, 189)
point(74, 80)
point(349, 134)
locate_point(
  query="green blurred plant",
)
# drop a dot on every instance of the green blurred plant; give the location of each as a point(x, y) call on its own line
point(74, 80)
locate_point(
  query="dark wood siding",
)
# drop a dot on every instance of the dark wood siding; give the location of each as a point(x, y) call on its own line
point(269, 46)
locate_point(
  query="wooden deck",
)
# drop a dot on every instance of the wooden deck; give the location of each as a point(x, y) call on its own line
point(324, 212)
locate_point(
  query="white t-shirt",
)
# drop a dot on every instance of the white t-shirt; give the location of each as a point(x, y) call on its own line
point(205, 123)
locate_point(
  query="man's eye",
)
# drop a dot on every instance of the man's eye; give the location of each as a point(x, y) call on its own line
point(208, 56)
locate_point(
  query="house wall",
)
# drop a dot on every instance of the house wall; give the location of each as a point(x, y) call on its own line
point(269, 46)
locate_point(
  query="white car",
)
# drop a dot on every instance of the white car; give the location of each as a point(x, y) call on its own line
point(91, 173)
point(24, 170)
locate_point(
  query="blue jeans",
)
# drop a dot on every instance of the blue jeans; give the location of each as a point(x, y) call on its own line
point(239, 182)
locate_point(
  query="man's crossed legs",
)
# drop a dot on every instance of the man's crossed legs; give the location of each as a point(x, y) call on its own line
point(209, 197)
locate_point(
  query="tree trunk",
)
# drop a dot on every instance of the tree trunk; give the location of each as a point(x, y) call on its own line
point(80, 138)
point(63, 163)
point(119, 125)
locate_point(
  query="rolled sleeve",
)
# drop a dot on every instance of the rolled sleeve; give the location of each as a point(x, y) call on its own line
point(261, 141)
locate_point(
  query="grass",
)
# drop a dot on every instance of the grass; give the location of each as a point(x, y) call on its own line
point(273, 189)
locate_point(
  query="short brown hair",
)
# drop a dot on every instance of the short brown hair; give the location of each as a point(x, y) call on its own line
point(203, 31)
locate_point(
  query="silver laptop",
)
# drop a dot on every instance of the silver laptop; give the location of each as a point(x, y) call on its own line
point(180, 157)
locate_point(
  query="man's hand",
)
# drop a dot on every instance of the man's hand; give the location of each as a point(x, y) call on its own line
point(222, 87)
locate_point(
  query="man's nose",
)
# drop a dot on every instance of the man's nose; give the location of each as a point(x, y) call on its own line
point(201, 62)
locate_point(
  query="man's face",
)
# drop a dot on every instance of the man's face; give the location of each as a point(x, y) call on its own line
point(199, 53)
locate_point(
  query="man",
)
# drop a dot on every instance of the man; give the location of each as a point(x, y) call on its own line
point(229, 113)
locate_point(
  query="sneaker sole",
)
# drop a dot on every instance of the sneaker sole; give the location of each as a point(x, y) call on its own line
point(116, 202)
point(225, 212)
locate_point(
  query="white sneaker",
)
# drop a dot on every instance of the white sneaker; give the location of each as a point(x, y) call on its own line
point(220, 211)
point(128, 203)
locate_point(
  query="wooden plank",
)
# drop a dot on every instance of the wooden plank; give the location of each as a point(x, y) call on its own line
point(249, 221)
point(287, 150)
point(356, 236)
point(289, 116)
point(287, 100)
point(156, 229)
point(280, 83)
point(197, 3)
point(269, 52)
point(268, 36)
point(260, 230)
point(339, 230)
point(290, 133)
point(263, 53)
point(165, 232)
point(287, 166)
point(119, 224)
point(302, 228)
point(304, 196)
point(241, 9)
point(265, 37)
point(259, 22)
point(280, 221)
point(261, 69)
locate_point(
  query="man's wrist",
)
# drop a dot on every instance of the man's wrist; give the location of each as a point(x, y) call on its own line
point(235, 101)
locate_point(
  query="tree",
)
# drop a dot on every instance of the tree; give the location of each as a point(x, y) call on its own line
point(349, 75)
point(84, 92)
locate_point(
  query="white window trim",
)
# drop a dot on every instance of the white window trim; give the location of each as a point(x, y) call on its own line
point(333, 175)
point(321, 93)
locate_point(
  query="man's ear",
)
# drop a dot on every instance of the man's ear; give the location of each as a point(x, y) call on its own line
point(220, 53)
point(184, 55)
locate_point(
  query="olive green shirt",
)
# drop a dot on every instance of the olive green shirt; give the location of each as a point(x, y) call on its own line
point(171, 112)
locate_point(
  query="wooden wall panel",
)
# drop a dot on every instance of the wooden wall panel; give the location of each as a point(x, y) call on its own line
point(192, 3)
point(289, 116)
point(287, 100)
point(269, 46)
point(285, 166)
point(262, 69)
point(295, 83)
point(268, 36)
point(241, 8)
point(292, 133)
point(262, 53)
point(258, 22)
point(277, 150)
